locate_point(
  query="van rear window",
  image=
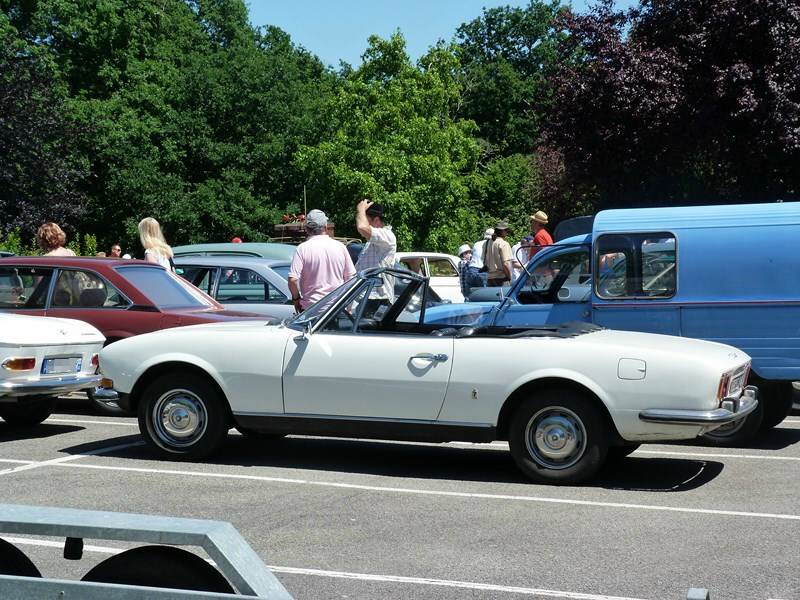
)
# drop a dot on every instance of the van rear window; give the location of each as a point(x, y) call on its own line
point(635, 265)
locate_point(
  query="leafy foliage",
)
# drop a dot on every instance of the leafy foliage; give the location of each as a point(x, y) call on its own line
point(394, 140)
point(698, 103)
point(39, 173)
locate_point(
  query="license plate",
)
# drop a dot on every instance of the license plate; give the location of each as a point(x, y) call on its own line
point(64, 364)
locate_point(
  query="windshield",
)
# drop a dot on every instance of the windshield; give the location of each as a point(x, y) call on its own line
point(164, 289)
point(319, 308)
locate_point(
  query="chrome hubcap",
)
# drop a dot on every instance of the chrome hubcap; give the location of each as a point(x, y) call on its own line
point(555, 437)
point(179, 418)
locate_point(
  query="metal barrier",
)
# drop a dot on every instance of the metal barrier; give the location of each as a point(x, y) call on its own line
point(160, 572)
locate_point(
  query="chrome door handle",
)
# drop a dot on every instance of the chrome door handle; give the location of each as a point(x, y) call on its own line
point(429, 356)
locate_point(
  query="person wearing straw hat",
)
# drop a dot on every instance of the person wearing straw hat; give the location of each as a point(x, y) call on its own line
point(541, 237)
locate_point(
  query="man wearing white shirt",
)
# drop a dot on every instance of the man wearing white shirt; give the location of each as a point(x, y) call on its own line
point(380, 248)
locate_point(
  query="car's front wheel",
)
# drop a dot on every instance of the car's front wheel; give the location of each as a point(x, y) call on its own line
point(558, 437)
point(183, 416)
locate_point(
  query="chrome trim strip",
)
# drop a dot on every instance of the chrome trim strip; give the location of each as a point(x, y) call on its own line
point(49, 386)
point(747, 403)
point(359, 418)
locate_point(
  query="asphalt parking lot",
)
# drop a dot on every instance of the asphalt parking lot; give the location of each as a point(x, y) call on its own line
point(365, 519)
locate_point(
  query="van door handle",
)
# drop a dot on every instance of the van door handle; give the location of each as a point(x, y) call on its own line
point(429, 356)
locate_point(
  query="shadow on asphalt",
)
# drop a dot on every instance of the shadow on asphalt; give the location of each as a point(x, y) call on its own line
point(9, 433)
point(640, 474)
point(402, 460)
point(773, 439)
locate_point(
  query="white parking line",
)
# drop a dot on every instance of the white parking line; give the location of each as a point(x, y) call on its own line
point(67, 459)
point(93, 422)
point(468, 585)
point(424, 492)
point(19, 462)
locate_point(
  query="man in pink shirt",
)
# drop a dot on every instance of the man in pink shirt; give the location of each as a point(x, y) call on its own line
point(320, 265)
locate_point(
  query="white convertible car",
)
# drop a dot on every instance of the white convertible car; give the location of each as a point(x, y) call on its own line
point(565, 397)
point(40, 358)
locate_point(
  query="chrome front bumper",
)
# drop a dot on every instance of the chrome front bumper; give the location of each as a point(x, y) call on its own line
point(730, 410)
point(50, 386)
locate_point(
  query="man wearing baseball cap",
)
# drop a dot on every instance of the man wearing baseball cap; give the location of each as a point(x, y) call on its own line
point(540, 235)
point(320, 264)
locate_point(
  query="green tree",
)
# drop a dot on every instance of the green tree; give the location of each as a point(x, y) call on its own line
point(40, 169)
point(394, 139)
point(192, 115)
point(506, 55)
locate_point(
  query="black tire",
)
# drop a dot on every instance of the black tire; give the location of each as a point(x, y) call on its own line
point(183, 416)
point(14, 561)
point(252, 434)
point(739, 433)
point(27, 412)
point(579, 444)
point(160, 566)
point(776, 396)
point(620, 452)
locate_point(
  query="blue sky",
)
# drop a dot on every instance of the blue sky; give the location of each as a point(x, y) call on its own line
point(338, 29)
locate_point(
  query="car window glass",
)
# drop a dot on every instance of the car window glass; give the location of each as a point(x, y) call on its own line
point(344, 320)
point(636, 265)
point(414, 264)
point(24, 287)
point(283, 271)
point(441, 267)
point(244, 285)
point(85, 289)
point(164, 289)
point(317, 310)
point(561, 278)
point(200, 277)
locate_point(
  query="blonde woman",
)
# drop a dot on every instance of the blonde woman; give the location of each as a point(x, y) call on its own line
point(51, 238)
point(156, 249)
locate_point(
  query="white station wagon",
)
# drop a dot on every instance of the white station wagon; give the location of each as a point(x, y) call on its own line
point(40, 358)
point(565, 397)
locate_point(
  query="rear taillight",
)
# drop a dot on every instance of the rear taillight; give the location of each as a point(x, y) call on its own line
point(19, 364)
point(95, 360)
point(732, 383)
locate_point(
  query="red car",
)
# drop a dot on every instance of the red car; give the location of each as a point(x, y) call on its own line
point(119, 297)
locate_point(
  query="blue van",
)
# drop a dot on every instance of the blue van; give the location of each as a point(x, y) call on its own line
point(724, 273)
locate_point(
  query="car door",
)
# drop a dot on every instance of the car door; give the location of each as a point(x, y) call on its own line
point(366, 360)
point(557, 290)
point(636, 283)
point(85, 295)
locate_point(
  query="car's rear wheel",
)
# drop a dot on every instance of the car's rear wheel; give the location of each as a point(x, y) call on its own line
point(183, 416)
point(558, 437)
point(28, 411)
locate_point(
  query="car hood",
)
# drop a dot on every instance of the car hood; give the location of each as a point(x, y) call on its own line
point(28, 330)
